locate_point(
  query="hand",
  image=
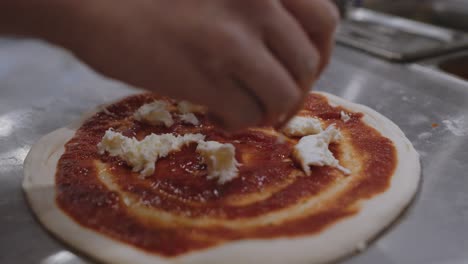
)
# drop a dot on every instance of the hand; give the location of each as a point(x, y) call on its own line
point(250, 62)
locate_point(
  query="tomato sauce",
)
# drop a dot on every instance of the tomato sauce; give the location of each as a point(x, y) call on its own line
point(269, 181)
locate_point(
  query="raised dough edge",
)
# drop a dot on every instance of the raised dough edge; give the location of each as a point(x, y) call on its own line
point(337, 241)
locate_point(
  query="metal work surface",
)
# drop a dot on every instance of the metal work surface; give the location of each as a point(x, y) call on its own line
point(453, 65)
point(42, 89)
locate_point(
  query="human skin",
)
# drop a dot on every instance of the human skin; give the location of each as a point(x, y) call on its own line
point(250, 62)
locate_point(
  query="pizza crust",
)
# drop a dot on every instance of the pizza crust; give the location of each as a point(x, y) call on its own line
point(341, 239)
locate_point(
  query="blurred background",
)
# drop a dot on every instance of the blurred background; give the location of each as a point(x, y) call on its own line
point(406, 31)
point(445, 13)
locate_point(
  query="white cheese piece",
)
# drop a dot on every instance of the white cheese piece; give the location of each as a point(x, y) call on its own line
point(115, 143)
point(313, 150)
point(189, 118)
point(185, 107)
point(220, 160)
point(142, 155)
point(302, 126)
point(344, 116)
point(155, 113)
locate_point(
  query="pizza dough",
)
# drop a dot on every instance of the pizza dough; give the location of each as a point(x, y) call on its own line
point(336, 241)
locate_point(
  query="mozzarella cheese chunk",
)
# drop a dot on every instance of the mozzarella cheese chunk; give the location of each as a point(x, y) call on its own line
point(313, 150)
point(344, 116)
point(220, 160)
point(155, 113)
point(185, 107)
point(142, 155)
point(302, 126)
point(189, 118)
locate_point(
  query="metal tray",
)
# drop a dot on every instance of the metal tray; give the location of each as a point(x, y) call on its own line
point(443, 13)
point(396, 38)
point(42, 89)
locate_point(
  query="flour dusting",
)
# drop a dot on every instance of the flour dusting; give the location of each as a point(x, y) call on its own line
point(458, 126)
point(424, 135)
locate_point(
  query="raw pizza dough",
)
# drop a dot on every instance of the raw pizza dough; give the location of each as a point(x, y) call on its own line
point(337, 241)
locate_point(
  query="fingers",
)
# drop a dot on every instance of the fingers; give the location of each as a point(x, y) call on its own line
point(238, 62)
point(289, 43)
point(215, 59)
point(275, 89)
point(270, 61)
point(231, 104)
point(259, 63)
point(319, 19)
point(239, 107)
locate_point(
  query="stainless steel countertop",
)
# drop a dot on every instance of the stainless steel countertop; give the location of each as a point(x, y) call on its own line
point(43, 88)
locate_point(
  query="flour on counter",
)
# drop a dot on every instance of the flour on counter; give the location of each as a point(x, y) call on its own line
point(458, 126)
point(424, 136)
